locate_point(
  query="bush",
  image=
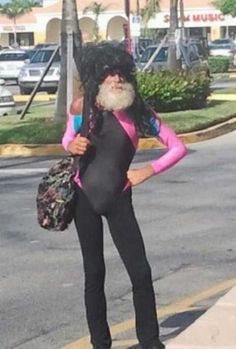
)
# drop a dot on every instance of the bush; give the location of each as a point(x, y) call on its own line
point(166, 91)
point(219, 64)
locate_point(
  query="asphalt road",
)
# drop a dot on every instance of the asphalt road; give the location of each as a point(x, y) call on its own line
point(187, 216)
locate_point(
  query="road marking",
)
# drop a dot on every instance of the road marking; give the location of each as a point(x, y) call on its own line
point(178, 307)
point(22, 171)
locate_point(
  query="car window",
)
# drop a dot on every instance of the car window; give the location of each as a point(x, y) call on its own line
point(13, 57)
point(147, 54)
point(162, 55)
point(221, 42)
point(43, 56)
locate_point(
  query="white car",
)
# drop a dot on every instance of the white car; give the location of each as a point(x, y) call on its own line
point(11, 62)
point(31, 73)
point(7, 104)
point(222, 47)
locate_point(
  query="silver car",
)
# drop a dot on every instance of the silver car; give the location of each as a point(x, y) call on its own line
point(7, 104)
point(31, 73)
point(191, 58)
point(11, 62)
point(223, 47)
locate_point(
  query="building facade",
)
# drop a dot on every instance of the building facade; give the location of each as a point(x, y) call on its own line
point(201, 19)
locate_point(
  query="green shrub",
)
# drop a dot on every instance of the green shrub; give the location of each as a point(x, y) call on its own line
point(219, 64)
point(166, 91)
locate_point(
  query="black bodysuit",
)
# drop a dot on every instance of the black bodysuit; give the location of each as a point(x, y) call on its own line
point(103, 170)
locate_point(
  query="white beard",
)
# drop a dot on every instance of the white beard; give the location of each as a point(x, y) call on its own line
point(118, 100)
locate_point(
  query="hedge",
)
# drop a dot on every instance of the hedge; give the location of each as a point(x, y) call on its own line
point(219, 64)
point(166, 91)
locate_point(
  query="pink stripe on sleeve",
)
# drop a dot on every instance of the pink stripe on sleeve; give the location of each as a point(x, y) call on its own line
point(176, 149)
point(69, 134)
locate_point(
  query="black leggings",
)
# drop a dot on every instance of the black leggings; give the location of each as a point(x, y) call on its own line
point(128, 240)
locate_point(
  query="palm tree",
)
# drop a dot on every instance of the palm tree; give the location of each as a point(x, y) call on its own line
point(173, 63)
point(69, 19)
point(149, 11)
point(97, 9)
point(15, 9)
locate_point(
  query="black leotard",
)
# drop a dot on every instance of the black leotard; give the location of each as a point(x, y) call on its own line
point(103, 171)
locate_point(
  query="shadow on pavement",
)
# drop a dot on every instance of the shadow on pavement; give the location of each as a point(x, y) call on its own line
point(175, 324)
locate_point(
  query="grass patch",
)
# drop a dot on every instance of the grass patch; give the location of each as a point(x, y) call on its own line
point(38, 127)
point(195, 120)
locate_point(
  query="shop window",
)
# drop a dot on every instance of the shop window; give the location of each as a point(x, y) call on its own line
point(23, 39)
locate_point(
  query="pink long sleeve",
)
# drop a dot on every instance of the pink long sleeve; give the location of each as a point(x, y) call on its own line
point(69, 134)
point(176, 149)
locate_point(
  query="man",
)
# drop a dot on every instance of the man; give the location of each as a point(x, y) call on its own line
point(106, 138)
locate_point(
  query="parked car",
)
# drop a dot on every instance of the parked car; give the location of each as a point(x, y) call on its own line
point(7, 104)
point(191, 59)
point(11, 62)
point(30, 53)
point(222, 47)
point(31, 73)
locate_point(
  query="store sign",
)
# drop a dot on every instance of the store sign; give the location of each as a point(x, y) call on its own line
point(203, 17)
point(9, 28)
point(135, 25)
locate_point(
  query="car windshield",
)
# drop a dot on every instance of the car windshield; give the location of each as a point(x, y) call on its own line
point(161, 57)
point(13, 56)
point(222, 46)
point(221, 42)
point(31, 53)
point(43, 56)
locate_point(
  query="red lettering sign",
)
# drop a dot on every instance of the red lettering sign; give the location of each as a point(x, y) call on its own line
point(208, 17)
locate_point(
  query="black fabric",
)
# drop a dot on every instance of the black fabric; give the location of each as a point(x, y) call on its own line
point(128, 240)
point(103, 170)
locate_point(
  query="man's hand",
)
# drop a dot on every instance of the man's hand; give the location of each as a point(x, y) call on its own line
point(79, 145)
point(137, 176)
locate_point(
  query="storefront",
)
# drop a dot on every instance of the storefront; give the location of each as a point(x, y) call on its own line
point(43, 24)
point(210, 24)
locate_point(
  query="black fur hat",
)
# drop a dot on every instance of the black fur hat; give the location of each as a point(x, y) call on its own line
point(98, 61)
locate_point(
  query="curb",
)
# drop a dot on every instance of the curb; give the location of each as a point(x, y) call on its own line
point(37, 98)
point(214, 329)
point(144, 143)
point(222, 97)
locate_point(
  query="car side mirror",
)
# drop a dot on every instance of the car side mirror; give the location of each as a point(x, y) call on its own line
point(27, 61)
point(2, 82)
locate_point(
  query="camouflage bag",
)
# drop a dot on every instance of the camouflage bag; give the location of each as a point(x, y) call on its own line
point(56, 196)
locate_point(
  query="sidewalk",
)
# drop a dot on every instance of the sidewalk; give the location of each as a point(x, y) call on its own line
point(215, 329)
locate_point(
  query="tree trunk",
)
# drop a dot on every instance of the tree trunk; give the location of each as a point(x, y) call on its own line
point(173, 63)
point(61, 107)
point(69, 18)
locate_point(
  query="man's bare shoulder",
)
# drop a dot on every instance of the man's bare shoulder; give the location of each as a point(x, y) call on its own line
point(77, 105)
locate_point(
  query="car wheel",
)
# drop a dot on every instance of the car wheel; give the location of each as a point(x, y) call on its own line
point(52, 91)
point(25, 91)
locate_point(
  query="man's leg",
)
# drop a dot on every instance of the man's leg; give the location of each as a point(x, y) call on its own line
point(128, 240)
point(90, 233)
